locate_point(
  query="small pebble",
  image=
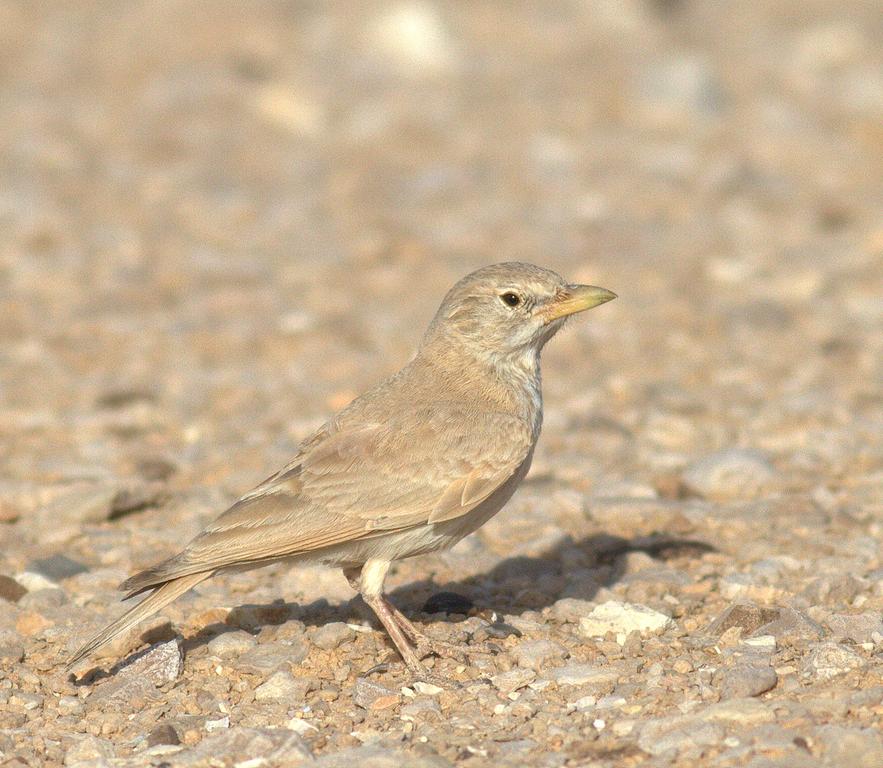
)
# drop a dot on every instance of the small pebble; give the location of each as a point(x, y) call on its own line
point(537, 654)
point(164, 733)
point(366, 693)
point(10, 589)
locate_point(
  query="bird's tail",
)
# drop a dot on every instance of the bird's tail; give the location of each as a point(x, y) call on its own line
point(161, 597)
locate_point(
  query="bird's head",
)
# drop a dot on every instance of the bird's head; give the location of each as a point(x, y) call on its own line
point(510, 309)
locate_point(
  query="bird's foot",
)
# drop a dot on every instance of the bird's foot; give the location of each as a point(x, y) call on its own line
point(427, 646)
point(420, 674)
point(413, 645)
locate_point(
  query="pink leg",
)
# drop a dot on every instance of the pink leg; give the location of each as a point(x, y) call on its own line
point(368, 581)
point(401, 630)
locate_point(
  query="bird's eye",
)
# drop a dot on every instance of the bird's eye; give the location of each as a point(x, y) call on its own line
point(510, 299)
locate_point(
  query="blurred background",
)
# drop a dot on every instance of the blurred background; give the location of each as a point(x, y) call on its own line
point(223, 220)
point(220, 221)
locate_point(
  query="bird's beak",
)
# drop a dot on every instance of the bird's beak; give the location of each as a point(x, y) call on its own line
point(577, 298)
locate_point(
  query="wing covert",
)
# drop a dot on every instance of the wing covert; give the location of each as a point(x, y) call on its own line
point(353, 481)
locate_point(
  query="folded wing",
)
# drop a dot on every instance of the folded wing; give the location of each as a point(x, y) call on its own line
point(353, 481)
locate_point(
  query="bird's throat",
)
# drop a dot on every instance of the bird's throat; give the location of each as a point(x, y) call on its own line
point(521, 375)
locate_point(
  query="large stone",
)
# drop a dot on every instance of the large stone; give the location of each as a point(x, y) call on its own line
point(420, 710)
point(859, 628)
point(791, 626)
point(590, 675)
point(86, 504)
point(538, 654)
point(136, 683)
point(838, 589)
point(160, 664)
point(571, 609)
point(367, 693)
point(43, 601)
point(11, 653)
point(853, 747)
point(230, 644)
point(376, 756)
point(331, 635)
point(689, 734)
point(622, 618)
point(744, 712)
point(828, 660)
point(680, 88)
point(748, 616)
point(97, 502)
point(282, 685)
point(735, 473)
point(56, 568)
point(128, 693)
point(81, 748)
point(9, 511)
point(678, 734)
point(135, 497)
point(747, 679)
point(513, 679)
point(415, 38)
point(32, 623)
point(247, 746)
point(264, 659)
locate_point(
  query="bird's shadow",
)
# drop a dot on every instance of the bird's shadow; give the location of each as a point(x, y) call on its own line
point(515, 585)
point(575, 569)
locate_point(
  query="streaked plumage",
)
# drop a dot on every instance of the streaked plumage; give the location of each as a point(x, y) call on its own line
point(410, 467)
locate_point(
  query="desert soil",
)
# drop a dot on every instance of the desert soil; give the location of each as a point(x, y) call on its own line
point(222, 221)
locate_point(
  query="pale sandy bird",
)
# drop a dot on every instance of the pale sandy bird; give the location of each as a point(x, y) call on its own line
point(410, 467)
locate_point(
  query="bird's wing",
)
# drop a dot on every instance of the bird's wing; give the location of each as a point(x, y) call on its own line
point(355, 481)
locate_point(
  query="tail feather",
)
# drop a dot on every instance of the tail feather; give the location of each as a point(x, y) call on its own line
point(154, 577)
point(163, 595)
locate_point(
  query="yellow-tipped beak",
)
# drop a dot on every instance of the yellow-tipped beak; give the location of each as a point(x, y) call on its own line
point(578, 298)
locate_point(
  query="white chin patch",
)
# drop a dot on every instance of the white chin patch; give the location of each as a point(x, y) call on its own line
point(552, 328)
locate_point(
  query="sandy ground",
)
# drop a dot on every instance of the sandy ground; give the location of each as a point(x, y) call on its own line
point(222, 221)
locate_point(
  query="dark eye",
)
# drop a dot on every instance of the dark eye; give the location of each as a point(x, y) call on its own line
point(510, 299)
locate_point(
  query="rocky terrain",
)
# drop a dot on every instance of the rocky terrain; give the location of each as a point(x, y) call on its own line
point(222, 221)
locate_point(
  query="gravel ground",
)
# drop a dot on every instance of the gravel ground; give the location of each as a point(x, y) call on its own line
point(221, 221)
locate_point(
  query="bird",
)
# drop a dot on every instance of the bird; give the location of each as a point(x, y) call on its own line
point(410, 467)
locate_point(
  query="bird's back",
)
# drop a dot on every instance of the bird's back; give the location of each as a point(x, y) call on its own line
point(407, 454)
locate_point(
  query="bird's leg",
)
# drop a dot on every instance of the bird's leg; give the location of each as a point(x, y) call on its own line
point(369, 581)
point(381, 609)
point(354, 576)
point(426, 644)
point(407, 626)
